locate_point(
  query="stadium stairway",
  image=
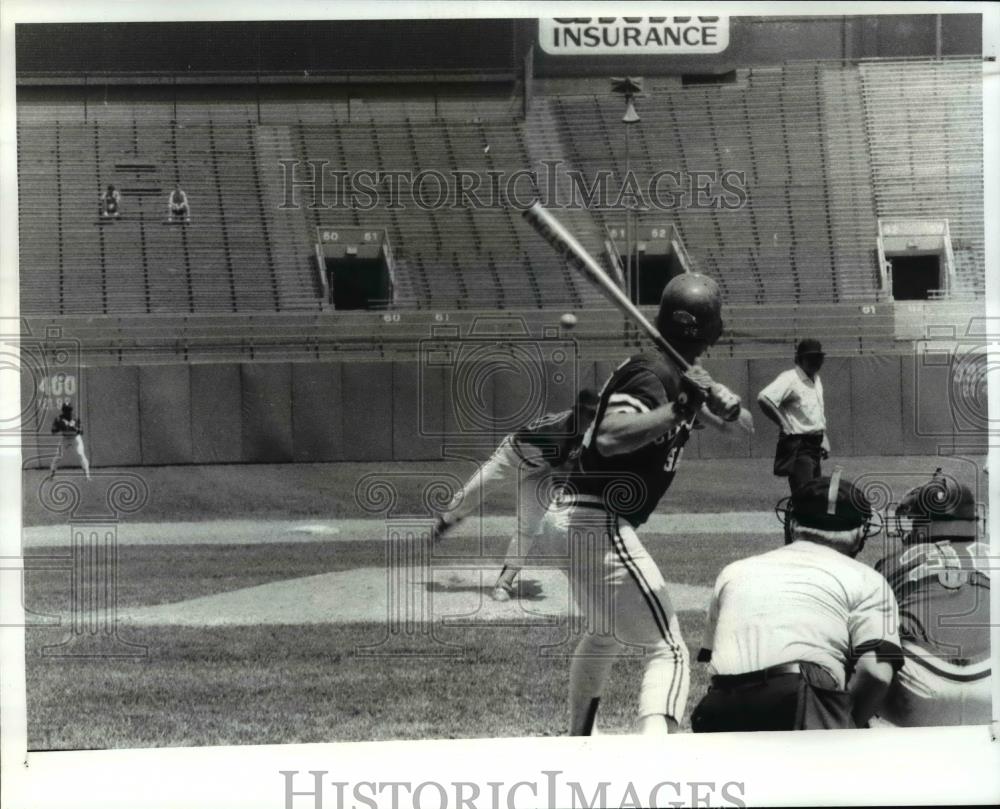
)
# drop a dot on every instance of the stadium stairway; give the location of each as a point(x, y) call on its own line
point(546, 140)
point(294, 267)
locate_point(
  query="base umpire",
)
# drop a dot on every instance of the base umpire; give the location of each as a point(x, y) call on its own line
point(794, 401)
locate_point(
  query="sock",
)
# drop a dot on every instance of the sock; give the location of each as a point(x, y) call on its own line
point(588, 673)
point(590, 721)
point(507, 576)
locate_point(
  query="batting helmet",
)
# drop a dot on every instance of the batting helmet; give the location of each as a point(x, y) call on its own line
point(941, 508)
point(690, 309)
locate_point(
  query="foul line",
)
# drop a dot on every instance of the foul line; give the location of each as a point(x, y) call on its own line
point(263, 532)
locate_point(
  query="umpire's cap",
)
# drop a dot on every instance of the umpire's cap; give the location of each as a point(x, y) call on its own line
point(690, 309)
point(830, 505)
point(809, 346)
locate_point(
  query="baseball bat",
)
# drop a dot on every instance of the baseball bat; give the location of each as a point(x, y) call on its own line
point(564, 243)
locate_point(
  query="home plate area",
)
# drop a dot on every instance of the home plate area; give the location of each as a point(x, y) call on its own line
point(454, 594)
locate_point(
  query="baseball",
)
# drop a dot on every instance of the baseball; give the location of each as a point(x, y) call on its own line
point(568, 320)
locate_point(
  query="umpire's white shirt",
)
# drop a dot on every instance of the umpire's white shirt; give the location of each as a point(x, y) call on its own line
point(801, 602)
point(799, 399)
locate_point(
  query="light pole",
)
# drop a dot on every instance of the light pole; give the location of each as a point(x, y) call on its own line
point(628, 87)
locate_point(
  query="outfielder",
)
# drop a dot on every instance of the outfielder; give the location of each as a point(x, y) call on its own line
point(942, 582)
point(802, 637)
point(627, 462)
point(534, 455)
point(71, 430)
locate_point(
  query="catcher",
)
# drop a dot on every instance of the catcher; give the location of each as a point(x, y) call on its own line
point(941, 579)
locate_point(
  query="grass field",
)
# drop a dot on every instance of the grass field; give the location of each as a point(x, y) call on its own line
point(280, 491)
point(277, 683)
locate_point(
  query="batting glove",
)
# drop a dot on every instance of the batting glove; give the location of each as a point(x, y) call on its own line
point(723, 402)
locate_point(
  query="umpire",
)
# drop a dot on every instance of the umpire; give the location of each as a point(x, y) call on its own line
point(802, 637)
point(794, 401)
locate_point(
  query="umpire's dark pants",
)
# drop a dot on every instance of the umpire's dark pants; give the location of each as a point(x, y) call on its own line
point(773, 699)
point(798, 457)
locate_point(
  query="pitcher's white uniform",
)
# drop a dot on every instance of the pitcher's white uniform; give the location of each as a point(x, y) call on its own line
point(533, 456)
point(511, 461)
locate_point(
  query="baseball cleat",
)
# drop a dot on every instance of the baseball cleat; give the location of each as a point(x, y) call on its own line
point(502, 592)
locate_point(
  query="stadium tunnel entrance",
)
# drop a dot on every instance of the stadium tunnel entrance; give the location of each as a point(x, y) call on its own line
point(358, 283)
point(916, 258)
point(657, 252)
point(654, 268)
point(914, 277)
point(355, 267)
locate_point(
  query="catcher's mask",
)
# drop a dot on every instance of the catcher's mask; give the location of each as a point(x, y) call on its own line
point(829, 505)
point(941, 508)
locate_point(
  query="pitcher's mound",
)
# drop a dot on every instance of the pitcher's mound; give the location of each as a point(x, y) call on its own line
point(376, 594)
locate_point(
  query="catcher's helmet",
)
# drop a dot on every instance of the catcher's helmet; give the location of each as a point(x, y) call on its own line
point(941, 508)
point(690, 309)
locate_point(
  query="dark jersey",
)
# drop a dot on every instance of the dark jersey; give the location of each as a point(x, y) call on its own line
point(551, 439)
point(67, 426)
point(631, 484)
point(943, 590)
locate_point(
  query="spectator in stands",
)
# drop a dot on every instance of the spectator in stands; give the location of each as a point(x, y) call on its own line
point(177, 205)
point(794, 401)
point(111, 202)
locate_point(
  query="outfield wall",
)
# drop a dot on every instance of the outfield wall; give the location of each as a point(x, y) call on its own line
point(273, 412)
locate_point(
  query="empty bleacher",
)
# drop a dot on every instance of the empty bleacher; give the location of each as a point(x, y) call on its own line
point(825, 149)
point(796, 238)
point(74, 261)
point(925, 128)
point(447, 257)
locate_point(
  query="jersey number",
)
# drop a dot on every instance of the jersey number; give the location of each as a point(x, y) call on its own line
point(672, 459)
point(942, 562)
